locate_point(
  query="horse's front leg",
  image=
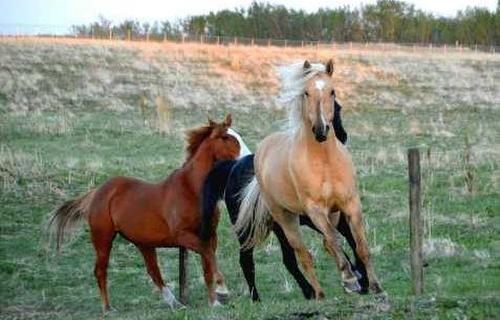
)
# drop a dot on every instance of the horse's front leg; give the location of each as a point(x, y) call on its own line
point(326, 222)
point(359, 268)
point(208, 263)
point(221, 291)
point(345, 230)
point(352, 209)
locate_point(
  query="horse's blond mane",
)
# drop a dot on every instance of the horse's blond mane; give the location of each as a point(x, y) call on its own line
point(293, 80)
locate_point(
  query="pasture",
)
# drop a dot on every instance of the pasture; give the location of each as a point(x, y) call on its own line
point(74, 113)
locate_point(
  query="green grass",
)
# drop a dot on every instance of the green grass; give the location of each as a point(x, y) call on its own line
point(50, 156)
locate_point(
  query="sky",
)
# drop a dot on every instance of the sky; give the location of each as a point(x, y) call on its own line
point(60, 14)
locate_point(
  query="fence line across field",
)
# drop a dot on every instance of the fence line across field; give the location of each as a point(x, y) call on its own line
point(16, 31)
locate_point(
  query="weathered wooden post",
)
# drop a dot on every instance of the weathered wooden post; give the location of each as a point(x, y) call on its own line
point(183, 285)
point(416, 225)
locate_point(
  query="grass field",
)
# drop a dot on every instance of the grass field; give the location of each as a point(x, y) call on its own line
point(75, 113)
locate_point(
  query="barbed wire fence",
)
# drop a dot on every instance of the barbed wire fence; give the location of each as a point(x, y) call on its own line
point(58, 31)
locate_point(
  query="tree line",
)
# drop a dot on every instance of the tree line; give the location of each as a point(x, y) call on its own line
point(386, 21)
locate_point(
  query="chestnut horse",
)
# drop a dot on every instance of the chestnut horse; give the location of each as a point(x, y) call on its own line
point(306, 170)
point(151, 215)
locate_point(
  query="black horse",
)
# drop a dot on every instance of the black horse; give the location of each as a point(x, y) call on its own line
point(228, 178)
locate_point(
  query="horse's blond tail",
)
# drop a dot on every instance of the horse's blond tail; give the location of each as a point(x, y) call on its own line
point(65, 218)
point(254, 220)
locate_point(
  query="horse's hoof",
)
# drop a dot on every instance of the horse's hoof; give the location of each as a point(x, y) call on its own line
point(320, 295)
point(376, 288)
point(216, 304)
point(109, 311)
point(351, 285)
point(176, 305)
point(222, 294)
point(222, 297)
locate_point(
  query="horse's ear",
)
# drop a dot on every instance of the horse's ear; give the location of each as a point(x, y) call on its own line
point(211, 122)
point(228, 121)
point(329, 67)
point(307, 67)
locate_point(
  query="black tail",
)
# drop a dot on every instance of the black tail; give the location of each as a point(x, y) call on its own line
point(212, 192)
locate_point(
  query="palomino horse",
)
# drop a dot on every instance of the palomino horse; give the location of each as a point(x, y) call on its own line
point(305, 170)
point(226, 181)
point(163, 214)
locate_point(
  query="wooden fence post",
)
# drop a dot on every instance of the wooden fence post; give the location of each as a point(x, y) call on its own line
point(416, 225)
point(183, 285)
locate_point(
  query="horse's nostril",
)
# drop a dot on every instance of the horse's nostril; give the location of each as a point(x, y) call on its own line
point(320, 138)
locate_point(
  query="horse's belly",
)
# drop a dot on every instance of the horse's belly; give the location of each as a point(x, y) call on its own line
point(143, 227)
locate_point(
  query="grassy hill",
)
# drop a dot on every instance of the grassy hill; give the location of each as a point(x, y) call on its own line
point(74, 113)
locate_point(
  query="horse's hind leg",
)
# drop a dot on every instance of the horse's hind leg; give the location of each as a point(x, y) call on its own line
point(102, 238)
point(248, 266)
point(151, 261)
point(290, 262)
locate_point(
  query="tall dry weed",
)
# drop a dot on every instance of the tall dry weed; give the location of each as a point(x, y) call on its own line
point(163, 114)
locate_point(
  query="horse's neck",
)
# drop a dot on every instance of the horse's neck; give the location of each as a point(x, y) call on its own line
point(198, 168)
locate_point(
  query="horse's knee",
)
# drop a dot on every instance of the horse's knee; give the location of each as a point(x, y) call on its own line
point(100, 271)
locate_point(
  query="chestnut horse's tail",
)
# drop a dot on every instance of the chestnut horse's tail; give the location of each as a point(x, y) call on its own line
point(66, 217)
point(254, 221)
point(213, 191)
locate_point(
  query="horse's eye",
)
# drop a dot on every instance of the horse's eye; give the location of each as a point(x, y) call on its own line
point(306, 94)
point(225, 138)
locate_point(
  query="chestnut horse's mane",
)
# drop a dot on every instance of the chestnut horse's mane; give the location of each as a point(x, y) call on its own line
point(195, 138)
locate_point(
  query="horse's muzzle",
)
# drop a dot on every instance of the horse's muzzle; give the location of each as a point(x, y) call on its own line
point(320, 133)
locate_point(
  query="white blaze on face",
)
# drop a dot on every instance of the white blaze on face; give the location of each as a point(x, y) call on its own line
point(320, 84)
point(244, 150)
